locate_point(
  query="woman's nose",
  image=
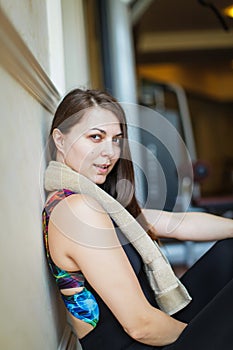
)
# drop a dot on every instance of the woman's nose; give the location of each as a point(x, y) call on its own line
point(108, 149)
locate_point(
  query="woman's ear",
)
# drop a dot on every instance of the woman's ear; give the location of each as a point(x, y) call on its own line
point(58, 138)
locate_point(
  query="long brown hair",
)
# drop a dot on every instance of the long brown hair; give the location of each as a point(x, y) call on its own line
point(120, 183)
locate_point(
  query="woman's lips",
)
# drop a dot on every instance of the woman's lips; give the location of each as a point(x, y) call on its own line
point(102, 168)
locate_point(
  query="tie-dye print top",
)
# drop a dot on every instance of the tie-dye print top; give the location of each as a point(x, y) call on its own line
point(81, 305)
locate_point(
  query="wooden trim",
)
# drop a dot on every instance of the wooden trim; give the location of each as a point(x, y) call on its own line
point(19, 61)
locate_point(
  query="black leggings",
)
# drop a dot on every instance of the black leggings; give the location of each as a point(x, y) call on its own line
point(210, 313)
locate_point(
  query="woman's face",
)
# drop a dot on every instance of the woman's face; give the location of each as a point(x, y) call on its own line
point(93, 146)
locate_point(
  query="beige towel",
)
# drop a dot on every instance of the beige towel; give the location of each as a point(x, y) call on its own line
point(170, 294)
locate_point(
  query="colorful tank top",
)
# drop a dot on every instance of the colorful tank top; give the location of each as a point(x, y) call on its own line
point(81, 305)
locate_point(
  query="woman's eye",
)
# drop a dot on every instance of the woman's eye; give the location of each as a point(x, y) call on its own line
point(117, 140)
point(95, 137)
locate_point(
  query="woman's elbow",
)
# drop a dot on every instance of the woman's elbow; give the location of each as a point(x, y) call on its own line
point(137, 334)
point(139, 330)
point(159, 330)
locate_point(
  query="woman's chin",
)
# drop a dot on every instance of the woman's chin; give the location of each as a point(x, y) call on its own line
point(99, 179)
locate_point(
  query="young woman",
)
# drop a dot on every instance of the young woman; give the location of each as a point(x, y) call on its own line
point(102, 282)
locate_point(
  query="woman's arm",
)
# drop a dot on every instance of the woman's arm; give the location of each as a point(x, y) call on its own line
point(95, 249)
point(191, 226)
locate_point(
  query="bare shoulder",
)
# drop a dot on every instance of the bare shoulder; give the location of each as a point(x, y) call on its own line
point(83, 220)
point(78, 206)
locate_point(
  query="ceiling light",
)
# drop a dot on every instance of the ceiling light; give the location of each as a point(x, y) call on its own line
point(228, 11)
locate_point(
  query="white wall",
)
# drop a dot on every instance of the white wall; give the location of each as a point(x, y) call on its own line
point(27, 305)
point(75, 45)
point(29, 17)
point(32, 314)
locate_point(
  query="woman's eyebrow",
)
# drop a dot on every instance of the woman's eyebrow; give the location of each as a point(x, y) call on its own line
point(100, 130)
point(104, 132)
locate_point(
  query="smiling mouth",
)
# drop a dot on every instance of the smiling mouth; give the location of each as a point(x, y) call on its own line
point(102, 167)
